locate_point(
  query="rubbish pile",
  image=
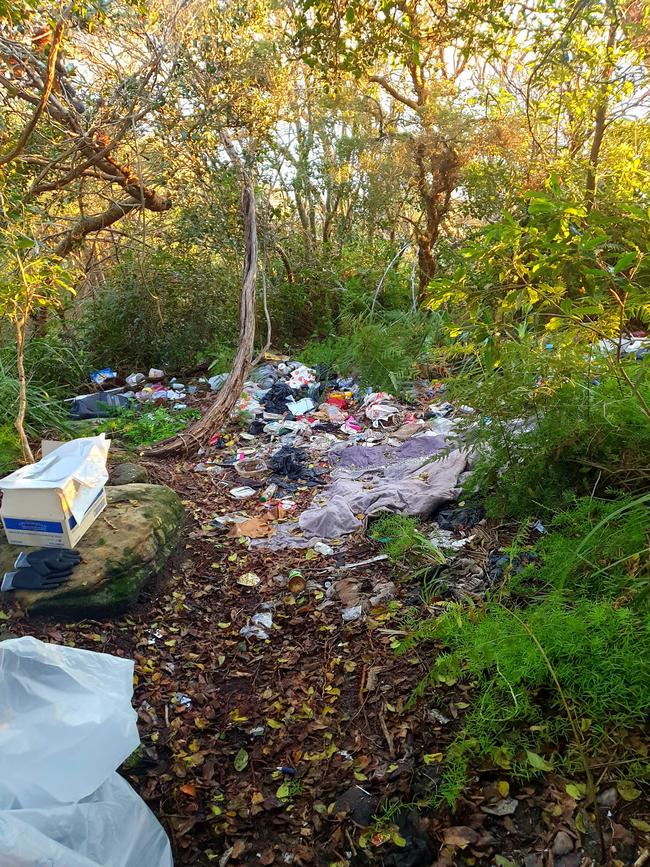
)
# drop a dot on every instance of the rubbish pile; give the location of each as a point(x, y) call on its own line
point(137, 389)
point(363, 452)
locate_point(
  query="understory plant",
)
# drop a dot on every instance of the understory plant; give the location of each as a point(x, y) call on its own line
point(142, 428)
point(558, 657)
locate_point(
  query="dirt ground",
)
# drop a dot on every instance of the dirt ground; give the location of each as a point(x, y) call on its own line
point(306, 748)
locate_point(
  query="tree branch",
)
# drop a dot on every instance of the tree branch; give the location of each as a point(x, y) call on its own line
point(48, 84)
point(388, 87)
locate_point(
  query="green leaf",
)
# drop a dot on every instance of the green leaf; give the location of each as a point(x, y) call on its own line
point(627, 790)
point(538, 762)
point(241, 760)
point(624, 261)
point(575, 790)
point(640, 825)
point(283, 792)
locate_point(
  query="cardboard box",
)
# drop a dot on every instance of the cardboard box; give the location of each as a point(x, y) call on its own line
point(52, 503)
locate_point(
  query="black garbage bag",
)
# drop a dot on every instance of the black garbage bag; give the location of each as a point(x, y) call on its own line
point(277, 397)
point(291, 463)
point(99, 405)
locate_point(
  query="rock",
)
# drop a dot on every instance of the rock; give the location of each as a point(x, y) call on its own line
point(573, 859)
point(563, 843)
point(128, 474)
point(608, 797)
point(383, 592)
point(128, 544)
point(358, 804)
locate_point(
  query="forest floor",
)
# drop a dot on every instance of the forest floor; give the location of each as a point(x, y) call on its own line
point(305, 748)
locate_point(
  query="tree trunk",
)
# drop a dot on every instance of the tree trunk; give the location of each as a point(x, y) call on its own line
point(28, 457)
point(426, 265)
point(600, 123)
point(202, 431)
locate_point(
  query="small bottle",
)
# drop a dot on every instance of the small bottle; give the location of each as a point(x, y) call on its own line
point(268, 492)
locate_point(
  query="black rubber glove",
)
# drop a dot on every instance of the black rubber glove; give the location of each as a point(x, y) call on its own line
point(27, 579)
point(49, 561)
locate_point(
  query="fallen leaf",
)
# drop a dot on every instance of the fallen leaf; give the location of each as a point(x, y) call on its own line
point(189, 789)
point(241, 760)
point(432, 758)
point(640, 825)
point(627, 790)
point(575, 790)
point(460, 836)
point(538, 762)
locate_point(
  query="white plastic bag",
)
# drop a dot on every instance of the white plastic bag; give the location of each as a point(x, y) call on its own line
point(66, 723)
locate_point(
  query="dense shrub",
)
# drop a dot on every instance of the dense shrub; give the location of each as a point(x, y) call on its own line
point(161, 312)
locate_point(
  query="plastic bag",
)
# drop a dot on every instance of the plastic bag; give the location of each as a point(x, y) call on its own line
point(66, 723)
point(113, 827)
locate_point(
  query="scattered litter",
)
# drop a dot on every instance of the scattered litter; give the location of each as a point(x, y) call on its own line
point(353, 613)
point(52, 503)
point(300, 407)
point(301, 377)
point(251, 468)
point(68, 724)
point(258, 527)
point(242, 493)
point(216, 382)
point(155, 373)
point(296, 581)
point(249, 579)
point(365, 562)
point(322, 548)
point(99, 377)
point(258, 627)
point(134, 379)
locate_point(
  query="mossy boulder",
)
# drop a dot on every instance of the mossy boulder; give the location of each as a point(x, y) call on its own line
point(128, 474)
point(125, 548)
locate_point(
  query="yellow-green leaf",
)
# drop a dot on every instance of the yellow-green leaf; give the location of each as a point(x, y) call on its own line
point(627, 790)
point(241, 760)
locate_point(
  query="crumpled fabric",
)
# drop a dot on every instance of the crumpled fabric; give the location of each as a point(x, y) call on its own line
point(302, 376)
point(276, 398)
point(412, 487)
point(379, 410)
point(291, 462)
point(407, 479)
point(358, 456)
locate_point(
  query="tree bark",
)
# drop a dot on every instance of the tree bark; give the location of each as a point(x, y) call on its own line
point(202, 431)
point(600, 123)
point(28, 457)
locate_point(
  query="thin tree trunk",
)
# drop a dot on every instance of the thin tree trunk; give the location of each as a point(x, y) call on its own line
point(202, 431)
point(28, 457)
point(600, 123)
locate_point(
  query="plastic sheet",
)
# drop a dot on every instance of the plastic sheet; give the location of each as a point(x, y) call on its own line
point(66, 723)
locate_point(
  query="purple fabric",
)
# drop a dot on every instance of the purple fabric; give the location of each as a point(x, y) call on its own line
point(360, 457)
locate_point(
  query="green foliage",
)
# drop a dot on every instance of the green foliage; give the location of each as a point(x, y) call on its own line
point(585, 627)
point(144, 428)
point(404, 543)
point(553, 418)
point(45, 412)
point(383, 352)
point(160, 312)
point(10, 451)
